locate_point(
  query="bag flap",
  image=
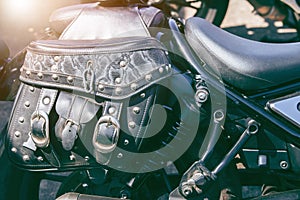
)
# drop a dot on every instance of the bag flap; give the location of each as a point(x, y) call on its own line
point(113, 68)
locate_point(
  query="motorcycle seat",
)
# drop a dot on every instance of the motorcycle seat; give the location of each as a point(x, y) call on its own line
point(242, 63)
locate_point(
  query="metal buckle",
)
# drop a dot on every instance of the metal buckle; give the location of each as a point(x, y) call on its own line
point(39, 124)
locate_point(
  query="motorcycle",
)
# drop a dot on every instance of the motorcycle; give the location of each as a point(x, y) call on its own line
point(124, 103)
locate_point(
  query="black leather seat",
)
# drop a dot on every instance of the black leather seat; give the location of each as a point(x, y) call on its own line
point(245, 64)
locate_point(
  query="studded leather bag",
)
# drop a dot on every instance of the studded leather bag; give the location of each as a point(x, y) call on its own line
point(80, 100)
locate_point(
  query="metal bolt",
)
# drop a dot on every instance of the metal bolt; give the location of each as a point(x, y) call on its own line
point(86, 158)
point(85, 185)
point(284, 164)
point(143, 95)
point(28, 73)
point(187, 190)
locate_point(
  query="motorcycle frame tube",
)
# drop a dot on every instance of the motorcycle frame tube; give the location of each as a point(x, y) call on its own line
point(246, 104)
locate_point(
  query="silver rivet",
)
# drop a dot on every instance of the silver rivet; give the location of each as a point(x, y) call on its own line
point(148, 77)
point(284, 164)
point(123, 63)
point(40, 75)
point(126, 142)
point(54, 67)
point(28, 73)
point(26, 158)
point(21, 119)
point(56, 58)
point(111, 110)
point(134, 86)
point(86, 158)
point(70, 79)
point(46, 100)
point(40, 159)
point(31, 89)
point(118, 91)
point(167, 53)
point(118, 80)
point(55, 77)
point(161, 70)
point(136, 110)
point(168, 67)
point(14, 150)
point(120, 155)
point(131, 125)
point(17, 133)
point(27, 104)
point(143, 95)
point(85, 185)
point(72, 157)
point(100, 88)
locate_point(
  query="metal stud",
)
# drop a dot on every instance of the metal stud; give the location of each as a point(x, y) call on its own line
point(55, 77)
point(143, 95)
point(40, 159)
point(131, 125)
point(54, 67)
point(72, 157)
point(118, 80)
point(17, 133)
point(134, 86)
point(70, 79)
point(40, 75)
point(123, 63)
point(56, 58)
point(161, 70)
point(120, 155)
point(26, 158)
point(126, 142)
point(14, 150)
point(136, 110)
point(31, 89)
point(86, 158)
point(100, 88)
point(46, 100)
point(148, 77)
point(21, 120)
point(28, 73)
point(118, 91)
point(166, 52)
point(27, 104)
point(111, 110)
